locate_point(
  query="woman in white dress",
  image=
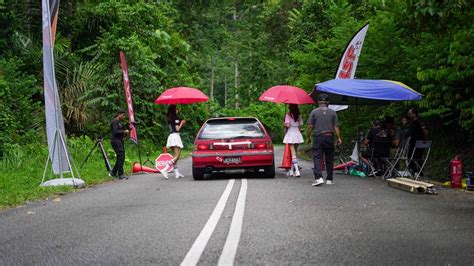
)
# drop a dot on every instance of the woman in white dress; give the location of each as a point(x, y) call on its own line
point(174, 140)
point(293, 136)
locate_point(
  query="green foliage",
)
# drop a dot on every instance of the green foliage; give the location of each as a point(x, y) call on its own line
point(445, 64)
point(156, 55)
point(17, 119)
point(316, 54)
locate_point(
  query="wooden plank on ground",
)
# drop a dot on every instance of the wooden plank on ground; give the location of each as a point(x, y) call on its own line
point(404, 185)
point(424, 185)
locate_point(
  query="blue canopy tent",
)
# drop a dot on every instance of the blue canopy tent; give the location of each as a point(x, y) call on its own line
point(364, 91)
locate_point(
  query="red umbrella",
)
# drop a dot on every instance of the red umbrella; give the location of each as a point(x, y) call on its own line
point(286, 94)
point(181, 95)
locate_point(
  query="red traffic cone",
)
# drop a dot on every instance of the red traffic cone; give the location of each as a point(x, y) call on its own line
point(344, 166)
point(136, 167)
point(286, 162)
point(165, 150)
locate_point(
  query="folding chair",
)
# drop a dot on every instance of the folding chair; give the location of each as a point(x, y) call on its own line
point(377, 164)
point(422, 146)
point(392, 162)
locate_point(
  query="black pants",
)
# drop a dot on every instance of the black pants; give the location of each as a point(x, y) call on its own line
point(119, 149)
point(323, 145)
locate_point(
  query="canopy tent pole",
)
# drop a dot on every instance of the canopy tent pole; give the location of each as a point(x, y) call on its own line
point(357, 120)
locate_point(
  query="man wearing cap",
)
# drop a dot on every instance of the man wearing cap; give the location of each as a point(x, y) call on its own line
point(117, 134)
point(323, 125)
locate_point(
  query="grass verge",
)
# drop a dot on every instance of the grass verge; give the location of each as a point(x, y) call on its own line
point(23, 166)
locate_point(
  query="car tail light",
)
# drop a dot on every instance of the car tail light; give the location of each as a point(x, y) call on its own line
point(260, 145)
point(201, 147)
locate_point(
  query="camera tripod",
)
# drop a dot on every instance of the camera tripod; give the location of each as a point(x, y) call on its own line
point(148, 160)
point(98, 142)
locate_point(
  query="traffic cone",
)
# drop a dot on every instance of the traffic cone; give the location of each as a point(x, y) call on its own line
point(165, 150)
point(136, 167)
point(344, 166)
point(286, 162)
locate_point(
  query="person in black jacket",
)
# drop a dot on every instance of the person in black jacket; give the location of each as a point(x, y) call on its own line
point(117, 135)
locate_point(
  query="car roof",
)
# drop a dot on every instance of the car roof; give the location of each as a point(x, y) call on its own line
point(217, 119)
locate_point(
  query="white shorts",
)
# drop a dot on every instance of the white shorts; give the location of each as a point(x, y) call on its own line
point(174, 140)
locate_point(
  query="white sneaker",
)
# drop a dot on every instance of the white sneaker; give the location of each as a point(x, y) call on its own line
point(164, 173)
point(329, 182)
point(318, 182)
point(177, 174)
point(297, 173)
point(290, 173)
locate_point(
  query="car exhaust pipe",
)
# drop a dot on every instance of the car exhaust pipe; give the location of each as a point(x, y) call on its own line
point(209, 169)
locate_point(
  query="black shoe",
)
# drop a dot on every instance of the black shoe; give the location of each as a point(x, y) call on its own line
point(122, 177)
point(112, 175)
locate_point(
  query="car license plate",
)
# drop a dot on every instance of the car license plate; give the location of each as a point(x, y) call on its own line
point(229, 160)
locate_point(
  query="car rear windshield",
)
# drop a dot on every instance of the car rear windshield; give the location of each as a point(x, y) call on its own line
point(232, 129)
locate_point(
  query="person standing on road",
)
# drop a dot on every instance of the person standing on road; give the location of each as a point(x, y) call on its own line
point(323, 124)
point(117, 135)
point(174, 140)
point(293, 136)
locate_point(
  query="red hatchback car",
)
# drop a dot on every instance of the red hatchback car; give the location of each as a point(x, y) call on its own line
point(231, 143)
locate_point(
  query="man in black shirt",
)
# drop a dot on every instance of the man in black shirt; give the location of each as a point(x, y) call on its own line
point(117, 135)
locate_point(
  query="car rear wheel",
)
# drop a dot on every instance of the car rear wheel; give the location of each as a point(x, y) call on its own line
point(198, 173)
point(269, 172)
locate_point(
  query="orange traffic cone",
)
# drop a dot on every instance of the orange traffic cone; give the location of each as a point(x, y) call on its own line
point(286, 162)
point(136, 167)
point(165, 150)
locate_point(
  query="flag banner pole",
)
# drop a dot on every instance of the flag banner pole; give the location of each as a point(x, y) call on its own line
point(349, 59)
point(57, 147)
point(129, 101)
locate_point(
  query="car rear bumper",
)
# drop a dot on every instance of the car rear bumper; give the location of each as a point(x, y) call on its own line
point(215, 159)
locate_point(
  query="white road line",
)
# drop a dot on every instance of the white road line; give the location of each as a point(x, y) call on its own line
point(193, 255)
point(232, 242)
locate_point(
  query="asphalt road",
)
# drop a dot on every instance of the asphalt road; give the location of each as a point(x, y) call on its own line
point(242, 220)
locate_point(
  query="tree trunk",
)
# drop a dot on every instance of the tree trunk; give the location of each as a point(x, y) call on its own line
point(225, 89)
point(236, 84)
point(236, 71)
point(212, 79)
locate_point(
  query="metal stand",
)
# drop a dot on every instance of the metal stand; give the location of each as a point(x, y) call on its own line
point(75, 182)
point(138, 149)
point(148, 160)
point(98, 142)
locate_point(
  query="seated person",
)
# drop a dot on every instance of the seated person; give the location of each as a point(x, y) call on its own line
point(396, 134)
point(378, 141)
